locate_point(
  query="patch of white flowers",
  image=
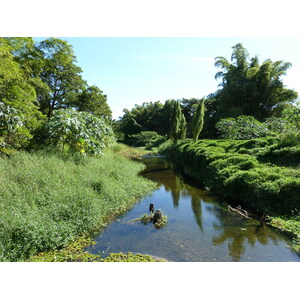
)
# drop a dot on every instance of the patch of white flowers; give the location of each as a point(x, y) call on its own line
point(10, 122)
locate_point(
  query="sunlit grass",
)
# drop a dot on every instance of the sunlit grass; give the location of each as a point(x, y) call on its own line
point(47, 202)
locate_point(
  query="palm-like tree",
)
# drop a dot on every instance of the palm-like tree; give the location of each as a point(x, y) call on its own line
point(250, 88)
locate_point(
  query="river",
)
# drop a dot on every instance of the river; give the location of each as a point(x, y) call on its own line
point(199, 229)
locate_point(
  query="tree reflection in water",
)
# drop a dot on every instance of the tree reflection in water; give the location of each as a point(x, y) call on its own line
point(238, 232)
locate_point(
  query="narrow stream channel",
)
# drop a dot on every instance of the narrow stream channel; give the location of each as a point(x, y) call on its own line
point(198, 228)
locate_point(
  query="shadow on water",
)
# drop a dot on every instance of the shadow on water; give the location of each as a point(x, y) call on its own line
point(198, 228)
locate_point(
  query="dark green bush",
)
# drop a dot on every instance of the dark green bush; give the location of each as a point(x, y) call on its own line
point(241, 128)
point(223, 168)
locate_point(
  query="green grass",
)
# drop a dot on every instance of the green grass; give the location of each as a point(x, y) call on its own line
point(47, 202)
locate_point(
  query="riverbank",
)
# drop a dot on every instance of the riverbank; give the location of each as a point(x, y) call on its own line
point(48, 201)
point(239, 172)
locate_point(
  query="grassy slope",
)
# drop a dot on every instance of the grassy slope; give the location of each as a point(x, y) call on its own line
point(47, 202)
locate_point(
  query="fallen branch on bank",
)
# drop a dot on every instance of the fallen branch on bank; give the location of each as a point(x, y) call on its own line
point(239, 211)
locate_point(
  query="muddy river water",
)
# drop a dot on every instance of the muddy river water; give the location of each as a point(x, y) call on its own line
point(199, 228)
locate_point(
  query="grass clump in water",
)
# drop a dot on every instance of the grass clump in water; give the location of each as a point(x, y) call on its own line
point(147, 218)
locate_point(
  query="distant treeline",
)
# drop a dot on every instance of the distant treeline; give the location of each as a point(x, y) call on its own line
point(247, 87)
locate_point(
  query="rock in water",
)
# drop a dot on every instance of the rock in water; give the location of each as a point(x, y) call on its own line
point(151, 208)
point(157, 216)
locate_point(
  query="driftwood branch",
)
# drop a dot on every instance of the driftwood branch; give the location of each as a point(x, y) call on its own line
point(240, 211)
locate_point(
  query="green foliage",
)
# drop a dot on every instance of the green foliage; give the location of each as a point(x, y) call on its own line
point(249, 88)
point(154, 116)
point(276, 125)
point(150, 116)
point(47, 202)
point(93, 101)
point(198, 120)
point(148, 139)
point(17, 87)
point(78, 132)
point(13, 134)
point(73, 252)
point(241, 128)
point(178, 123)
point(292, 116)
point(60, 73)
point(130, 257)
point(242, 177)
point(129, 127)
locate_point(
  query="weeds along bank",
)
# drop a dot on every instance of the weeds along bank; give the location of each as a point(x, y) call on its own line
point(241, 172)
point(47, 201)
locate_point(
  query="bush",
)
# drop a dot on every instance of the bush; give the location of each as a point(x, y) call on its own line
point(82, 132)
point(241, 128)
point(241, 177)
point(13, 133)
point(146, 139)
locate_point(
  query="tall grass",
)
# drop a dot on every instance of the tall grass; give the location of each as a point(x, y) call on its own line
point(47, 201)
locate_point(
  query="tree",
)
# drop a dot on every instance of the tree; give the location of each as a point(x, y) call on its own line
point(92, 100)
point(129, 126)
point(17, 89)
point(198, 120)
point(188, 107)
point(178, 123)
point(249, 88)
point(149, 116)
point(61, 75)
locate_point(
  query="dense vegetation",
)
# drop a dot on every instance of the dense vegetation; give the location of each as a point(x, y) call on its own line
point(54, 130)
point(48, 201)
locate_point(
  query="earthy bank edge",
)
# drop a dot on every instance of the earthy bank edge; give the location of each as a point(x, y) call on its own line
point(241, 174)
point(74, 251)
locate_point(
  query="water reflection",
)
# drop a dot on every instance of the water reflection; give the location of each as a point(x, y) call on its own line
point(198, 228)
point(239, 232)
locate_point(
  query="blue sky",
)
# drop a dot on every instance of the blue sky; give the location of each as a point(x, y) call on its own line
point(133, 70)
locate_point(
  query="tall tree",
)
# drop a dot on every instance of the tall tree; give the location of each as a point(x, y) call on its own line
point(61, 74)
point(249, 88)
point(198, 120)
point(16, 87)
point(178, 122)
point(188, 107)
point(92, 100)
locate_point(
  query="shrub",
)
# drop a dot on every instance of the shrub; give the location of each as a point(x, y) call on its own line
point(147, 139)
point(241, 177)
point(13, 133)
point(241, 128)
point(81, 132)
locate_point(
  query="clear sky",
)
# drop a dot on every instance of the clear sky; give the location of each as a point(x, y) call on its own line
point(133, 70)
